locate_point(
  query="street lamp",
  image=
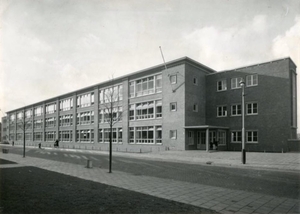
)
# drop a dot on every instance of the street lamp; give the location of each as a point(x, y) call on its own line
point(242, 84)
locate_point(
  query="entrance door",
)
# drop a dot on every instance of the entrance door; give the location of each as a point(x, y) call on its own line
point(201, 140)
point(212, 139)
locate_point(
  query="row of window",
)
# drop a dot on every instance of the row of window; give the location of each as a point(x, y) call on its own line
point(251, 80)
point(236, 110)
point(145, 135)
point(145, 86)
point(145, 110)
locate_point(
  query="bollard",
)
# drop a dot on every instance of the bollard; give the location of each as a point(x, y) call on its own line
point(89, 164)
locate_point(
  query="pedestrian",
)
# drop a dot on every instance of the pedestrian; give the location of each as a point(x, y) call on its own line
point(56, 143)
point(13, 143)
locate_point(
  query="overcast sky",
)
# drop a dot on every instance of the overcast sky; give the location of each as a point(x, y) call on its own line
point(52, 47)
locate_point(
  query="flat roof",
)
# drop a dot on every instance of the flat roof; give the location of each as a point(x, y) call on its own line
point(159, 66)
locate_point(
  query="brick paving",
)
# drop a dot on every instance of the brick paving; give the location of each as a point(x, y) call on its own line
point(216, 198)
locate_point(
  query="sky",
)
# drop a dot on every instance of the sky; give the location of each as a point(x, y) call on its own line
point(52, 47)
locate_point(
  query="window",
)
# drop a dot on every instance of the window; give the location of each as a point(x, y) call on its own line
point(145, 134)
point(158, 83)
point(252, 109)
point(222, 111)
point(252, 80)
point(236, 110)
point(252, 136)
point(20, 116)
point(222, 137)
point(131, 89)
point(51, 108)
point(86, 135)
point(37, 124)
point(112, 94)
point(145, 110)
point(173, 79)
point(37, 136)
point(236, 137)
point(50, 136)
point(190, 138)
point(120, 135)
point(173, 106)
point(100, 136)
point(50, 122)
point(131, 112)
point(85, 100)
point(131, 134)
point(66, 104)
point(195, 81)
point(66, 136)
point(235, 82)
point(85, 118)
point(173, 134)
point(195, 108)
point(222, 85)
point(158, 104)
point(19, 136)
point(12, 117)
point(158, 134)
point(38, 111)
point(66, 120)
point(28, 136)
point(28, 113)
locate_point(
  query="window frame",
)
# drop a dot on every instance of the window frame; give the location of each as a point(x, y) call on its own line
point(251, 83)
point(223, 82)
point(252, 136)
point(222, 110)
point(175, 105)
point(173, 134)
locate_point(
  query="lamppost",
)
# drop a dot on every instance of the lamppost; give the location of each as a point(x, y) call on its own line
point(242, 84)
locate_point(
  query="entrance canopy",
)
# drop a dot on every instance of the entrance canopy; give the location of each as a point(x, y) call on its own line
point(204, 138)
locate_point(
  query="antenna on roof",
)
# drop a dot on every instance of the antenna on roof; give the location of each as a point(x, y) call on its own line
point(163, 57)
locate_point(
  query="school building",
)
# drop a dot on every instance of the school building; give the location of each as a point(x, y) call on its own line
point(186, 106)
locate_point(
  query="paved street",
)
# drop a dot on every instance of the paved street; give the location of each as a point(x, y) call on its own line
point(223, 200)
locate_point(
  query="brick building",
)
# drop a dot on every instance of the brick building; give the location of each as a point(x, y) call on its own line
point(187, 106)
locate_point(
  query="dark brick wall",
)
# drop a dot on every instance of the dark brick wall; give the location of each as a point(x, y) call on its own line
point(272, 94)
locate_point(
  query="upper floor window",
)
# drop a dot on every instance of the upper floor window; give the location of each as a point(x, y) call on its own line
point(66, 104)
point(173, 106)
point(222, 111)
point(12, 117)
point(145, 110)
point(173, 134)
point(84, 118)
point(51, 108)
point(28, 113)
point(235, 82)
point(66, 120)
point(50, 122)
point(173, 79)
point(112, 94)
point(252, 80)
point(252, 108)
point(195, 81)
point(236, 110)
point(85, 100)
point(195, 108)
point(20, 115)
point(38, 111)
point(145, 86)
point(222, 85)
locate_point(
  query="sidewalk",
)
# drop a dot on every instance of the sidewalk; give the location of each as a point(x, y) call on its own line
point(216, 198)
point(257, 160)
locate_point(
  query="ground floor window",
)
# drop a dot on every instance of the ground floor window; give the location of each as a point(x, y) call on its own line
point(86, 135)
point(11, 137)
point(105, 133)
point(236, 136)
point(145, 134)
point(19, 136)
point(222, 137)
point(66, 136)
point(37, 136)
point(28, 136)
point(173, 134)
point(50, 136)
point(252, 136)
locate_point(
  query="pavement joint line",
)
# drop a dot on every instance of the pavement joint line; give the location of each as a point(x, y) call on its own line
point(110, 179)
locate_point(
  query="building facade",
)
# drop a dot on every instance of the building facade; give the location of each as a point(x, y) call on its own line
point(187, 106)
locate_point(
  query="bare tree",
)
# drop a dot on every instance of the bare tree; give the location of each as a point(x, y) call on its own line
point(24, 124)
point(113, 112)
